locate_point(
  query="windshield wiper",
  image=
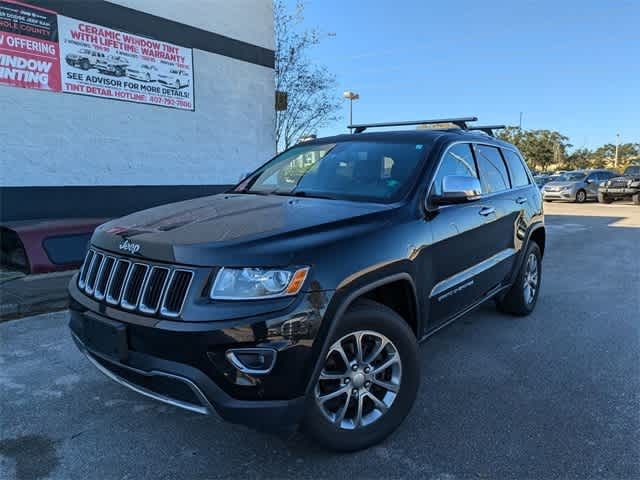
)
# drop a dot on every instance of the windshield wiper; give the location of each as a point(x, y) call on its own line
point(302, 193)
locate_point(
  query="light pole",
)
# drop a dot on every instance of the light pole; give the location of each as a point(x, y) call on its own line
point(351, 96)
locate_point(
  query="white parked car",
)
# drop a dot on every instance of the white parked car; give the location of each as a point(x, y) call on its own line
point(144, 73)
point(175, 78)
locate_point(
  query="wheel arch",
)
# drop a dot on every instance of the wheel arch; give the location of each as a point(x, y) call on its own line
point(369, 291)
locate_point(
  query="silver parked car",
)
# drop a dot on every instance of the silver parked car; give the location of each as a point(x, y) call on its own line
point(576, 186)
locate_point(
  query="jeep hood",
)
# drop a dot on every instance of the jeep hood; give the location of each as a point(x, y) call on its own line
point(625, 178)
point(227, 229)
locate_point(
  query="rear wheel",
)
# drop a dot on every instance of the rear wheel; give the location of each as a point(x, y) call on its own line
point(368, 382)
point(603, 198)
point(523, 295)
point(581, 196)
point(636, 199)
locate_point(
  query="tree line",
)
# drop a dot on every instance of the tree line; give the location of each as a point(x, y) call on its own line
point(546, 150)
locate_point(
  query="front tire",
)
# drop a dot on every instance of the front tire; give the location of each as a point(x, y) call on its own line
point(368, 382)
point(581, 196)
point(603, 198)
point(521, 299)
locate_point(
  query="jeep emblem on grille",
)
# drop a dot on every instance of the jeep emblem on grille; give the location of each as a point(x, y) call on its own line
point(131, 247)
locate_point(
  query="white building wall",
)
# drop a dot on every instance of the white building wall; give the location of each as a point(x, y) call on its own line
point(49, 139)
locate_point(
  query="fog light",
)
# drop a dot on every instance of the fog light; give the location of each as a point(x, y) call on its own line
point(253, 361)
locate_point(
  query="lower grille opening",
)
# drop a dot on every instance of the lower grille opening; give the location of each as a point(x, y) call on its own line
point(165, 386)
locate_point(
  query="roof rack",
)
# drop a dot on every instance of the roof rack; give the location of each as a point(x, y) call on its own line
point(488, 129)
point(459, 122)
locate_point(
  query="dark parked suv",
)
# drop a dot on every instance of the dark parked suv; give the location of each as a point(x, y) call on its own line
point(300, 296)
point(626, 186)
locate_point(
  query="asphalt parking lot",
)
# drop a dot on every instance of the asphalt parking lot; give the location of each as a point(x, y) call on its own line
point(553, 395)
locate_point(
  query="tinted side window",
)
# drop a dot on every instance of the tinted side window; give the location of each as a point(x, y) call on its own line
point(519, 177)
point(457, 161)
point(493, 172)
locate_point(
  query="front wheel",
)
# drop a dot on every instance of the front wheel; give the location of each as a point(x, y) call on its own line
point(581, 196)
point(368, 382)
point(521, 299)
point(603, 198)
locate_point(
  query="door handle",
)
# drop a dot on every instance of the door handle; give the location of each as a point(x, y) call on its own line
point(486, 211)
point(521, 200)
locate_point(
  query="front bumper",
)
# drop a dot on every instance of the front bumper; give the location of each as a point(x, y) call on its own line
point(184, 363)
point(619, 191)
point(558, 195)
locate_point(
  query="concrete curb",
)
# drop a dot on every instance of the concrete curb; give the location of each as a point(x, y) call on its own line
point(34, 294)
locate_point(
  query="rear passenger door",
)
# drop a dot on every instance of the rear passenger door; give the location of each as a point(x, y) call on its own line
point(501, 224)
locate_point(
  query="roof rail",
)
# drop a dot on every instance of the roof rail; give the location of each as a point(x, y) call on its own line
point(488, 129)
point(459, 122)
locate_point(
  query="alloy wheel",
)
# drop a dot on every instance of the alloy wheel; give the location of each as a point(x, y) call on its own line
point(360, 380)
point(581, 196)
point(530, 279)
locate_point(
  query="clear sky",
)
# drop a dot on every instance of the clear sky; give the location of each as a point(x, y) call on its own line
point(568, 65)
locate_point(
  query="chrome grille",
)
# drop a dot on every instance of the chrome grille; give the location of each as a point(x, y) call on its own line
point(618, 183)
point(134, 285)
point(174, 297)
point(154, 289)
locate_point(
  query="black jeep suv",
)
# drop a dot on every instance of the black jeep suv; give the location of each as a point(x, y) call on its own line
point(299, 297)
point(619, 188)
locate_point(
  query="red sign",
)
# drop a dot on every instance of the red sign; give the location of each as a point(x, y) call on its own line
point(29, 55)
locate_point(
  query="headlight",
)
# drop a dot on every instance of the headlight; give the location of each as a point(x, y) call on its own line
point(257, 283)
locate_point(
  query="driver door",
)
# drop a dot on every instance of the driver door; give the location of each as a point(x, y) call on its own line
point(461, 241)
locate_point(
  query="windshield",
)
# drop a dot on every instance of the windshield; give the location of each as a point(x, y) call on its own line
point(354, 170)
point(633, 170)
point(541, 180)
point(571, 177)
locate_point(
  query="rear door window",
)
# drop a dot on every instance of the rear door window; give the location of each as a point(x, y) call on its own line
point(519, 177)
point(493, 172)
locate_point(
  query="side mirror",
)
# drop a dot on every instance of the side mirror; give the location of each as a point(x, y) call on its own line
point(459, 189)
point(589, 181)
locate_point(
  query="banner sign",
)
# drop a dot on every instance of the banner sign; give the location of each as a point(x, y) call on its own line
point(29, 56)
point(107, 63)
point(42, 50)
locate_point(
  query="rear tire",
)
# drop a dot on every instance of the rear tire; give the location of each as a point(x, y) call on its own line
point(581, 196)
point(521, 299)
point(636, 199)
point(353, 420)
point(603, 198)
